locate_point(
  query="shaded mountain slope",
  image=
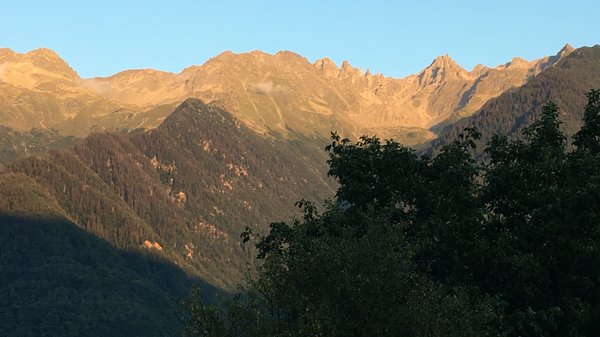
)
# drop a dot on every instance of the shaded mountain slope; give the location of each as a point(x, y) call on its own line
point(185, 190)
point(60, 280)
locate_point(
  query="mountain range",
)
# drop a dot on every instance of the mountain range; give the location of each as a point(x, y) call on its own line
point(161, 172)
point(280, 92)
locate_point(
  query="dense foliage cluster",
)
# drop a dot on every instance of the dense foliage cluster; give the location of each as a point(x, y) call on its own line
point(443, 246)
point(58, 280)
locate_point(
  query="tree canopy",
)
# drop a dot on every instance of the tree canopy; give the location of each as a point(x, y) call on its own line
point(443, 246)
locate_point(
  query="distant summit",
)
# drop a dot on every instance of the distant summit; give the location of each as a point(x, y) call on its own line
point(566, 50)
point(443, 68)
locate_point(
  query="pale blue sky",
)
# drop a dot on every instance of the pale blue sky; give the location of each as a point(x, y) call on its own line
point(397, 38)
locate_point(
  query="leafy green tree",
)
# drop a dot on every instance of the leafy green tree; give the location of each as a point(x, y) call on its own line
point(523, 188)
point(588, 138)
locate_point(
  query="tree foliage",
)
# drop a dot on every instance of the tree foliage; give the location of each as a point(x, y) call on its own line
point(444, 246)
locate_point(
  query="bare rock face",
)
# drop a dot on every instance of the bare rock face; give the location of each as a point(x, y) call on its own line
point(281, 92)
point(442, 69)
point(327, 67)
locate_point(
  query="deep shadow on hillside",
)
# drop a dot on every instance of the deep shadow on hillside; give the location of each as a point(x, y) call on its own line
point(59, 280)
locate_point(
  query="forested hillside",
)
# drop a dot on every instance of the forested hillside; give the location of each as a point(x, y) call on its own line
point(15, 144)
point(187, 188)
point(162, 208)
point(59, 280)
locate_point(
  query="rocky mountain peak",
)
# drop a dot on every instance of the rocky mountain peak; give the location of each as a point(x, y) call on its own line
point(347, 70)
point(289, 56)
point(442, 68)
point(44, 52)
point(479, 69)
point(548, 61)
point(49, 60)
point(224, 55)
point(518, 62)
point(6, 51)
point(346, 67)
point(327, 66)
point(35, 68)
point(443, 61)
point(565, 50)
point(324, 62)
